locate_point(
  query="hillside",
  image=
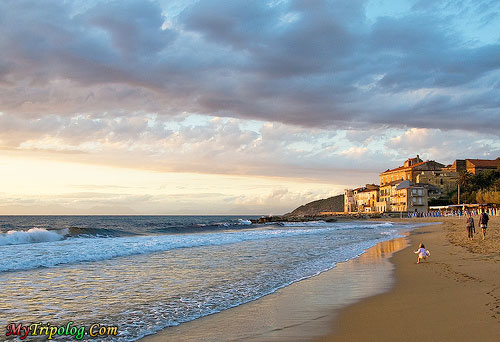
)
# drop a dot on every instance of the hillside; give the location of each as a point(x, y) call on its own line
point(335, 204)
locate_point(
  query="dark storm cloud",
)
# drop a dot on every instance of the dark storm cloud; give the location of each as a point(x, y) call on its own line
point(314, 63)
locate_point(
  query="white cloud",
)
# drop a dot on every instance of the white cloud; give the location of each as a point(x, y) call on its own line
point(355, 152)
point(445, 146)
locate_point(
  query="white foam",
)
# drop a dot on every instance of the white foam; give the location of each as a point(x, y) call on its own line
point(304, 224)
point(385, 224)
point(245, 222)
point(33, 235)
point(76, 250)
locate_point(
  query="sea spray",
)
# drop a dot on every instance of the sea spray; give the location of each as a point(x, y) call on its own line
point(33, 235)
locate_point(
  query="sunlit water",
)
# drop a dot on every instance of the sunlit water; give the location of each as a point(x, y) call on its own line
point(146, 274)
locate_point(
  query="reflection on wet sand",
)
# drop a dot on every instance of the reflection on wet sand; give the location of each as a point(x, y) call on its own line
point(380, 251)
point(300, 311)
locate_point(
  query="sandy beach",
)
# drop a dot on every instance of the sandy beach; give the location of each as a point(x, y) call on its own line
point(454, 296)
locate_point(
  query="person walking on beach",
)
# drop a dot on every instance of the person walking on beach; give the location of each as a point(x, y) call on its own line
point(422, 253)
point(483, 222)
point(471, 229)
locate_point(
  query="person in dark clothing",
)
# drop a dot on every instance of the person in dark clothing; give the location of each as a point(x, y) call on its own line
point(471, 229)
point(483, 222)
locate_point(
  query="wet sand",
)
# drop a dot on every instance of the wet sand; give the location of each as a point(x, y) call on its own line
point(298, 312)
point(454, 296)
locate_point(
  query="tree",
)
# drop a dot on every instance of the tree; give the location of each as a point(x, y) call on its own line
point(496, 185)
point(463, 181)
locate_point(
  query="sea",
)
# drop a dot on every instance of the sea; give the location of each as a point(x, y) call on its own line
point(146, 273)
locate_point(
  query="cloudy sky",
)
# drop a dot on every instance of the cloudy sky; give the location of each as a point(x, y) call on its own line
point(235, 107)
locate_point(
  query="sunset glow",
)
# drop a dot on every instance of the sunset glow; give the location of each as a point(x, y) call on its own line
point(213, 107)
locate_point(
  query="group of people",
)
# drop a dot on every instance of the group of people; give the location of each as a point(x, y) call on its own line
point(424, 214)
point(483, 224)
point(474, 212)
point(471, 229)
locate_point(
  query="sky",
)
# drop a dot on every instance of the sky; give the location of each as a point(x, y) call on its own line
point(235, 107)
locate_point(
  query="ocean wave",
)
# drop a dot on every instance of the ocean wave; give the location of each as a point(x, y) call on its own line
point(318, 223)
point(37, 235)
point(345, 225)
point(97, 232)
point(384, 224)
point(67, 249)
point(33, 235)
point(76, 250)
point(160, 228)
point(244, 222)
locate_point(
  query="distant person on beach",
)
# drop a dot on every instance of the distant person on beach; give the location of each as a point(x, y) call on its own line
point(422, 253)
point(483, 222)
point(471, 229)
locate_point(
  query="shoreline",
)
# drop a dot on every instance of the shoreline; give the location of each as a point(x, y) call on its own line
point(297, 312)
point(454, 296)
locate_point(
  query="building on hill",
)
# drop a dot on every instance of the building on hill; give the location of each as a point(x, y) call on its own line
point(457, 166)
point(367, 198)
point(433, 191)
point(360, 199)
point(473, 166)
point(405, 196)
point(409, 187)
point(384, 195)
point(350, 203)
point(350, 199)
point(409, 197)
point(476, 166)
point(445, 181)
point(409, 170)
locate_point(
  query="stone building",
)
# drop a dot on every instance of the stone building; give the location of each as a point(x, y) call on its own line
point(350, 204)
point(409, 197)
point(367, 198)
point(457, 166)
point(445, 181)
point(476, 166)
point(360, 199)
point(409, 171)
point(473, 166)
point(384, 195)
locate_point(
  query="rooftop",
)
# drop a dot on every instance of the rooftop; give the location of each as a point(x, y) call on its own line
point(397, 181)
point(368, 190)
point(484, 162)
point(405, 167)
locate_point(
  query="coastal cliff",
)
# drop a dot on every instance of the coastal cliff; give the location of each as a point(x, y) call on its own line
point(328, 209)
point(332, 204)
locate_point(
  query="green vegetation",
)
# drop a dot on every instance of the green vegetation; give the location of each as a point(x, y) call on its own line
point(483, 187)
point(446, 199)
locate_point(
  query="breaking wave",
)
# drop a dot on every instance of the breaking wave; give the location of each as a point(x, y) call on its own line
point(33, 235)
